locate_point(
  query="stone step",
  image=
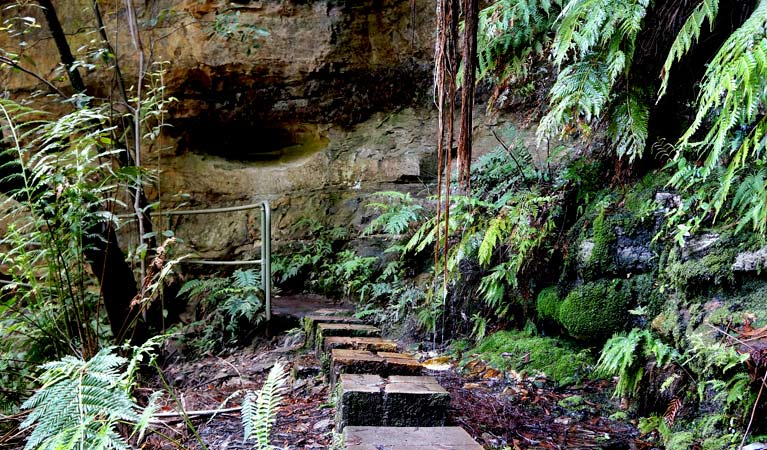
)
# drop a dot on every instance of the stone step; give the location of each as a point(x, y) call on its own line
point(311, 321)
point(363, 361)
point(399, 438)
point(401, 401)
point(371, 344)
point(324, 330)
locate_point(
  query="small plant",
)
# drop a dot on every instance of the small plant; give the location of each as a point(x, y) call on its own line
point(82, 403)
point(259, 409)
point(625, 356)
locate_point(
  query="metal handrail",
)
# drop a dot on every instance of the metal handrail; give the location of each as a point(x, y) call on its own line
point(266, 245)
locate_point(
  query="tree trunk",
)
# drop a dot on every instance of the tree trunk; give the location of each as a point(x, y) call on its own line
point(57, 32)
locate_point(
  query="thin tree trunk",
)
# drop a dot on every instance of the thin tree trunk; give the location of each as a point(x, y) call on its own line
point(57, 32)
point(471, 20)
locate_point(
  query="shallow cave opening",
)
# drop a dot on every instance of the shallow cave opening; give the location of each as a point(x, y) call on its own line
point(249, 142)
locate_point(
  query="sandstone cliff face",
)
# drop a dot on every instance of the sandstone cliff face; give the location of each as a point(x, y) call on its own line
point(312, 104)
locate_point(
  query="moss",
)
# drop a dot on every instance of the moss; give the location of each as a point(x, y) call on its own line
point(701, 276)
point(515, 350)
point(601, 260)
point(571, 402)
point(548, 304)
point(594, 311)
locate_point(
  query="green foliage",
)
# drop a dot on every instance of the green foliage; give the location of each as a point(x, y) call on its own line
point(259, 409)
point(397, 215)
point(706, 10)
point(512, 32)
point(229, 307)
point(598, 38)
point(548, 304)
point(82, 403)
point(727, 132)
point(594, 311)
point(625, 356)
point(524, 352)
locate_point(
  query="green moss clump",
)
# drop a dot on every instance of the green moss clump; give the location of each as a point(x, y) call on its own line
point(594, 311)
point(601, 260)
point(548, 304)
point(507, 350)
point(698, 276)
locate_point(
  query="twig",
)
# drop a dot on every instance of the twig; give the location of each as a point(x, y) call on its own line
point(509, 152)
point(730, 336)
point(202, 412)
point(15, 65)
point(753, 410)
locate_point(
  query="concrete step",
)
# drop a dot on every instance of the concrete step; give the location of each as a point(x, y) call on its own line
point(397, 438)
point(371, 344)
point(311, 321)
point(323, 330)
point(402, 401)
point(379, 363)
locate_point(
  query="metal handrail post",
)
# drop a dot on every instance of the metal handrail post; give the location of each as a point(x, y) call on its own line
point(266, 256)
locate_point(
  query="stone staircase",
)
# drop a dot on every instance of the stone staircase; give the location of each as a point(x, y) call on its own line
point(383, 400)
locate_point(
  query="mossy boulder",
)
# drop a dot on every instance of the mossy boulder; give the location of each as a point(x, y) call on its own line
point(548, 304)
point(594, 311)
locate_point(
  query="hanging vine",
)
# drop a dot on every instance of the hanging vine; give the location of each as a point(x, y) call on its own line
point(446, 65)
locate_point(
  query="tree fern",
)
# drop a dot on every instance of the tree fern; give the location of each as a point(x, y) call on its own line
point(259, 409)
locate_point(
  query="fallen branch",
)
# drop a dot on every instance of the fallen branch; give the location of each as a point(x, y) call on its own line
point(203, 412)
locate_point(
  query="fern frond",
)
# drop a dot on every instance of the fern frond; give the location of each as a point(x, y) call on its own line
point(80, 403)
point(628, 129)
point(259, 409)
point(707, 10)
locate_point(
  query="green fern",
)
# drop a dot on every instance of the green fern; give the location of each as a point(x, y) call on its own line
point(598, 37)
point(732, 99)
point(625, 356)
point(81, 403)
point(511, 32)
point(259, 409)
point(629, 119)
point(396, 216)
point(751, 201)
point(706, 10)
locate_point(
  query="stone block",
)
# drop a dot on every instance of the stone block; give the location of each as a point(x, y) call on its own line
point(360, 400)
point(324, 330)
point(311, 321)
point(408, 438)
point(371, 344)
point(415, 401)
point(355, 362)
point(402, 401)
point(363, 361)
point(400, 364)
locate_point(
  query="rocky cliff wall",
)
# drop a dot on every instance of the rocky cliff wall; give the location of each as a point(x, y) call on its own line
point(312, 104)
